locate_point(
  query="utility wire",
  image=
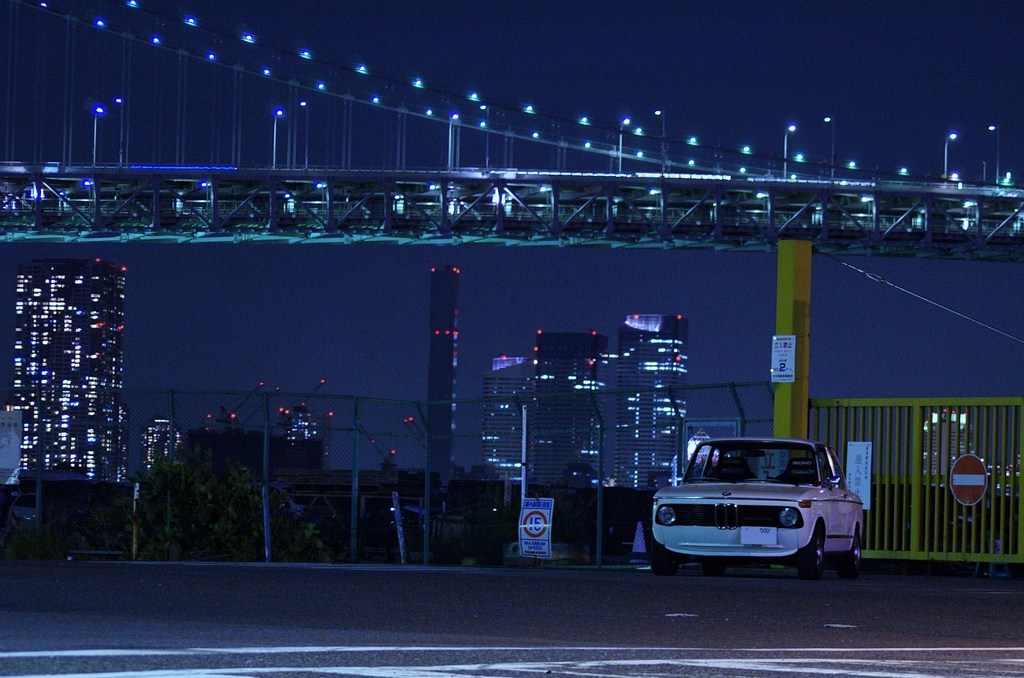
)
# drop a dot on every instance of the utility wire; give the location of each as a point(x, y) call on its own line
point(877, 278)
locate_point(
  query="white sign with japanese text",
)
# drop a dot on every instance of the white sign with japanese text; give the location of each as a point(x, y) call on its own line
point(535, 528)
point(858, 470)
point(783, 358)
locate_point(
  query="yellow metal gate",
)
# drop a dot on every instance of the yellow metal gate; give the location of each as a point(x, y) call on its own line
point(914, 443)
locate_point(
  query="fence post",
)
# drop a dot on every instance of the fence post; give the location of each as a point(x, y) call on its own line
point(426, 484)
point(353, 536)
point(599, 536)
point(39, 488)
point(739, 407)
point(267, 555)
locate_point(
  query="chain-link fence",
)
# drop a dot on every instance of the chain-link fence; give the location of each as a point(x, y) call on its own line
point(264, 475)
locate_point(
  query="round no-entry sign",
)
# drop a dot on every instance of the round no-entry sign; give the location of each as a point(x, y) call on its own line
point(968, 479)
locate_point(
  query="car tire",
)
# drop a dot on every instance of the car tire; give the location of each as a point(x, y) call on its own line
point(848, 564)
point(712, 567)
point(663, 562)
point(810, 560)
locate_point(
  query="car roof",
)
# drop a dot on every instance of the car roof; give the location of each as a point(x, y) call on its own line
point(747, 442)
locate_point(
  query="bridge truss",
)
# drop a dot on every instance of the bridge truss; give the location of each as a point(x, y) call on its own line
point(507, 207)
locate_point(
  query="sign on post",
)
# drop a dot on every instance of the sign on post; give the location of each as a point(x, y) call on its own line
point(783, 358)
point(858, 470)
point(535, 528)
point(968, 479)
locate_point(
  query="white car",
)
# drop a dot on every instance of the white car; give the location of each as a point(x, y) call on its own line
point(745, 500)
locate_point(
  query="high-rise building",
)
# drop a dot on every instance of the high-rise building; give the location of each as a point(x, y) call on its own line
point(651, 362)
point(68, 359)
point(441, 367)
point(566, 428)
point(160, 439)
point(507, 388)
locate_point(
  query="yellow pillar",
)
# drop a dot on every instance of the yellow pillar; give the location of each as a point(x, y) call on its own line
point(793, 316)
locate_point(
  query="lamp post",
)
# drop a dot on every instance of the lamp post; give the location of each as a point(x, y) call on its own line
point(453, 120)
point(305, 160)
point(622, 126)
point(945, 154)
point(487, 134)
point(664, 141)
point(121, 124)
point(98, 110)
point(785, 149)
point(830, 121)
point(278, 114)
point(995, 128)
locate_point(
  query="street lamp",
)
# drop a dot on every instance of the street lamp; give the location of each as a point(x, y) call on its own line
point(785, 149)
point(122, 109)
point(830, 121)
point(487, 135)
point(622, 126)
point(995, 128)
point(98, 111)
point(945, 154)
point(278, 114)
point(664, 140)
point(304, 105)
point(453, 140)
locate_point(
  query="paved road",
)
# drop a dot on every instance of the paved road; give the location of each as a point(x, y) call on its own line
point(140, 619)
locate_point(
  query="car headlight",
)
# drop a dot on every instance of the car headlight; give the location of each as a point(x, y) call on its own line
point(666, 515)
point(789, 517)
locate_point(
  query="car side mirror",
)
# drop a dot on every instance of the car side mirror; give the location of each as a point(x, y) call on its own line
point(833, 482)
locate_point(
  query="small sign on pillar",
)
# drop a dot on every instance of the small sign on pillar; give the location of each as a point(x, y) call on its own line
point(783, 358)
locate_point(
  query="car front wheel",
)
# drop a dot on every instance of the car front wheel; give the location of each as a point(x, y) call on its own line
point(810, 560)
point(848, 565)
point(663, 562)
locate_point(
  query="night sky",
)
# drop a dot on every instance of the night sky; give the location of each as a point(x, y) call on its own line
point(896, 77)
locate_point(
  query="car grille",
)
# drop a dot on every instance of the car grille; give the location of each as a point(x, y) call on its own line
point(727, 516)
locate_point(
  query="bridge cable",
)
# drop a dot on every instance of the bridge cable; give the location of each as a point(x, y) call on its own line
point(877, 278)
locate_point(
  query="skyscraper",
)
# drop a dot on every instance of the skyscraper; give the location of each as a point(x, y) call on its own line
point(652, 355)
point(567, 425)
point(507, 387)
point(68, 359)
point(442, 363)
point(160, 439)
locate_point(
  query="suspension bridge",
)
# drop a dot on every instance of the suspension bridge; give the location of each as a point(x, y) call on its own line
point(137, 126)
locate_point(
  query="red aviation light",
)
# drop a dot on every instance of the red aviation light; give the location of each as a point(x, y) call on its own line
point(540, 331)
point(437, 332)
point(593, 333)
point(679, 316)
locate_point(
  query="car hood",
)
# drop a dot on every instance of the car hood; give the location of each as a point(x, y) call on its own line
point(711, 491)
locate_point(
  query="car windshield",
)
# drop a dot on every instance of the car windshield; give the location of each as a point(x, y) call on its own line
point(744, 461)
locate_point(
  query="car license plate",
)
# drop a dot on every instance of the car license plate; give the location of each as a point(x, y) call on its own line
point(759, 535)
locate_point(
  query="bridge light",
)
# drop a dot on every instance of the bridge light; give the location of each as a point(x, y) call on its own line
point(248, 37)
point(692, 141)
point(191, 20)
point(305, 54)
point(361, 68)
point(417, 83)
point(528, 109)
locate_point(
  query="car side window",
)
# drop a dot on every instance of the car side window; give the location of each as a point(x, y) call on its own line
point(830, 466)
